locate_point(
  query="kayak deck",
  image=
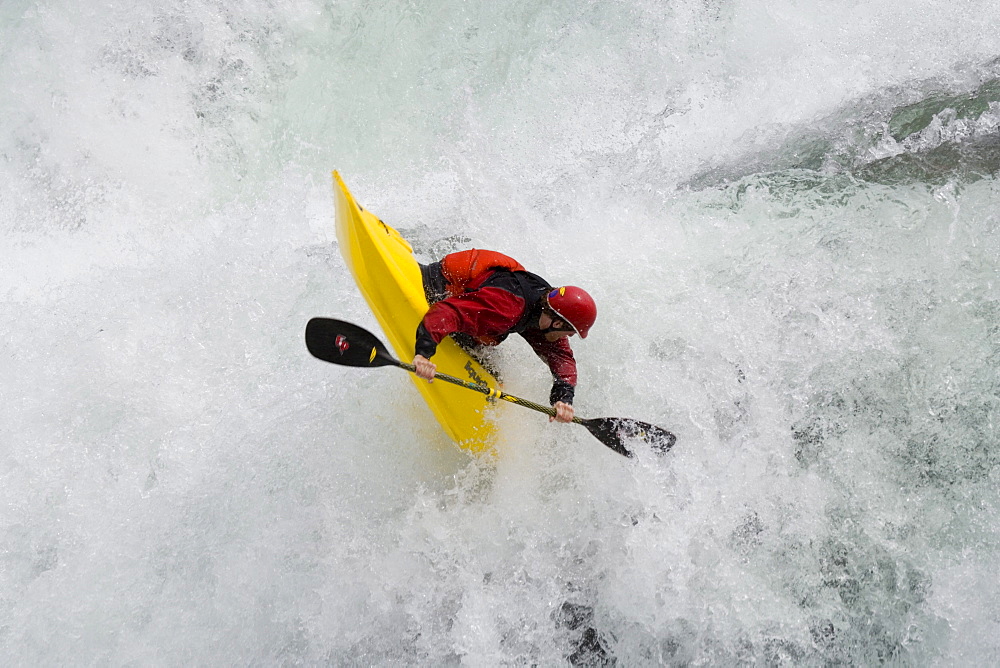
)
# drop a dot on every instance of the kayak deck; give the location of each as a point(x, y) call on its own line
point(389, 278)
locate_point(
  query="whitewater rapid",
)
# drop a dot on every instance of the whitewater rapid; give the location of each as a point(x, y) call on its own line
point(787, 212)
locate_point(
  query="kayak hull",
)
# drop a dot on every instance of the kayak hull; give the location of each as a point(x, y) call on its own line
point(389, 278)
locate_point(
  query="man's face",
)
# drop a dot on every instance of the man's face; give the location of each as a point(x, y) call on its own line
point(557, 328)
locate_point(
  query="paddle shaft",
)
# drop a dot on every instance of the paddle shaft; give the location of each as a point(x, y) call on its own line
point(489, 392)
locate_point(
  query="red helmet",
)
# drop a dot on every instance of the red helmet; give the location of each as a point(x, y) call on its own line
point(573, 305)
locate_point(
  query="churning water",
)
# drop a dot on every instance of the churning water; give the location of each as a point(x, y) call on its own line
point(787, 211)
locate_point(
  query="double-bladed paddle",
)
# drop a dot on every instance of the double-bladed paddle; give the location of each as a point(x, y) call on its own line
point(346, 344)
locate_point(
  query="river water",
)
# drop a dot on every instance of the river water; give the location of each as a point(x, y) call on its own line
point(787, 212)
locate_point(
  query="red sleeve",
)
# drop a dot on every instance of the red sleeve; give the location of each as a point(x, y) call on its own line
point(485, 313)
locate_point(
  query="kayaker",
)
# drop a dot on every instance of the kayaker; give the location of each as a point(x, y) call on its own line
point(486, 296)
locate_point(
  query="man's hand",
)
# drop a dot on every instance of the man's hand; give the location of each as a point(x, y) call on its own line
point(425, 368)
point(564, 412)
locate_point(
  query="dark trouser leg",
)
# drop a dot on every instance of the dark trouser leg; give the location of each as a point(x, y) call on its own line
point(434, 283)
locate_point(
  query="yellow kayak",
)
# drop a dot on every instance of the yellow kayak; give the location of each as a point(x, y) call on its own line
point(383, 266)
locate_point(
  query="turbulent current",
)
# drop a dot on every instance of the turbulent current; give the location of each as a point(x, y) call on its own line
point(788, 213)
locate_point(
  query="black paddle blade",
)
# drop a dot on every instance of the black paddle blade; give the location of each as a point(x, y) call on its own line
point(613, 432)
point(342, 343)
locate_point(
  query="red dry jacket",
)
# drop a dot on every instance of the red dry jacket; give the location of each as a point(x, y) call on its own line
point(465, 268)
point(495, 304)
